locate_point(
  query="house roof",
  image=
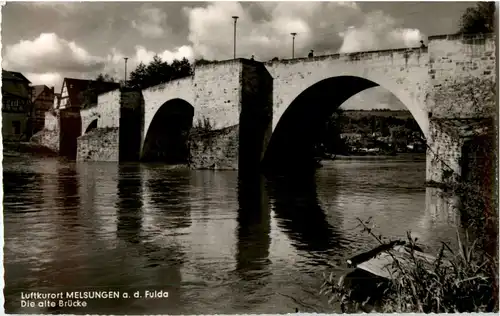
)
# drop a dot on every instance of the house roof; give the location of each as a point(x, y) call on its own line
point(37, 90)
point(76, 87)
point(13, 75)
point(14, 84)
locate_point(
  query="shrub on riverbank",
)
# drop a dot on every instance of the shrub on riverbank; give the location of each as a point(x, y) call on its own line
point(461, 280)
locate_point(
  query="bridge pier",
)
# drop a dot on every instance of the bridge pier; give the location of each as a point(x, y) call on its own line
point(240, 146)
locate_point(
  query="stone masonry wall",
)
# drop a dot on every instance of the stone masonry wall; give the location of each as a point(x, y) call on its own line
point(100, 144)
point(216, 150)
point(462, 76)
point(243, 98)
point(443, 154)
point(49, 135)
point(108, 107)
point(88, 115)
point(51, 121)
point(217, 91)
point(47, 138)
point(106, 111)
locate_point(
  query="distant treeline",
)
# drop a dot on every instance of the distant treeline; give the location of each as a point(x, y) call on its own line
point(368, 127)
point(367, 122)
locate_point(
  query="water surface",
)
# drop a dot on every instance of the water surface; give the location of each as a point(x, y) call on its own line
point(215, 244)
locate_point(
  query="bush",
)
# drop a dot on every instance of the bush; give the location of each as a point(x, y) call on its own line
point(203, 125)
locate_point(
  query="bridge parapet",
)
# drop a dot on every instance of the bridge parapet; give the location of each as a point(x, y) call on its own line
point(462, 71)
point(386, 55)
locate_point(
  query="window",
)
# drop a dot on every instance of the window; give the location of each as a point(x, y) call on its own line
point(16, 127)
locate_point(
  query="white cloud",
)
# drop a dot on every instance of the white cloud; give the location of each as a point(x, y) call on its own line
point(373, 98)
point(322, 26)
point(378, 31)
point(211, 28)
point(49, 53)
point(48, 59)
point(151, 22)
point(51, 79)
point(146, 56)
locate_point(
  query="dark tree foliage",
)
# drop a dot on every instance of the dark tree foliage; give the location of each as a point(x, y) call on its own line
point(202, 61)
point(104, 78)
point(158, 71)
point(330, 141)
point(370, 128)
point(479, 19)
point(88, 97)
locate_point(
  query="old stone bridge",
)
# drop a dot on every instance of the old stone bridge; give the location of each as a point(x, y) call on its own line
point(242, 114)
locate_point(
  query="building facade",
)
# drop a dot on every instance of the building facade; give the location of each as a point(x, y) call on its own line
point(43, 100)
point(16, 106)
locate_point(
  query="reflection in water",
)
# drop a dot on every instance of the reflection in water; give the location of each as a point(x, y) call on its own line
point(253, 242)
point(16, 188)
point(159, 261)
point(168, 192)
point(254, 227)
point(129, 204)
point(68, 201)
point(297, 208)
point(199, 234)
point(441, 208)
point(22, 204)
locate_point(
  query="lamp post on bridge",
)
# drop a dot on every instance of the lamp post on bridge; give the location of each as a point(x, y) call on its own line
point(293, 44)
point(125, 79)
point(234, 45)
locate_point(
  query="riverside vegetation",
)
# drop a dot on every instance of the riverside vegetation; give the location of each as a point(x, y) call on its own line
point(457, 280)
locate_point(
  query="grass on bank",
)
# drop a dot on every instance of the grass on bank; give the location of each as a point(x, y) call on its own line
point(456, 280)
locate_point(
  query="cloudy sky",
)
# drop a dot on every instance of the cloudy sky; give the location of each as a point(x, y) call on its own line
point(49, 41)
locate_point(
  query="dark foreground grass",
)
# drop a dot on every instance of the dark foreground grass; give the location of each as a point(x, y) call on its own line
point(455, 280)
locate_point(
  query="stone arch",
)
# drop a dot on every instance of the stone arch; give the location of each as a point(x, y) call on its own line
point(299, 124)
point(91, 126)
point(166, 138)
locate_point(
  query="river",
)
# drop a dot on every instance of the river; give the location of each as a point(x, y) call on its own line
point(214, 244)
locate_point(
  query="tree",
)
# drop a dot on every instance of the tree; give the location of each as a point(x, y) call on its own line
point(201, 61)
point(138, 76)
point(104, 78)
point(330, 139)
point(181, 68)
point(479, 19)
point(159, 71)
point(88, 97)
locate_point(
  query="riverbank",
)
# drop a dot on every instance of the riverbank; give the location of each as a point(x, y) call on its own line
point(374, 157)
point(26, 149)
